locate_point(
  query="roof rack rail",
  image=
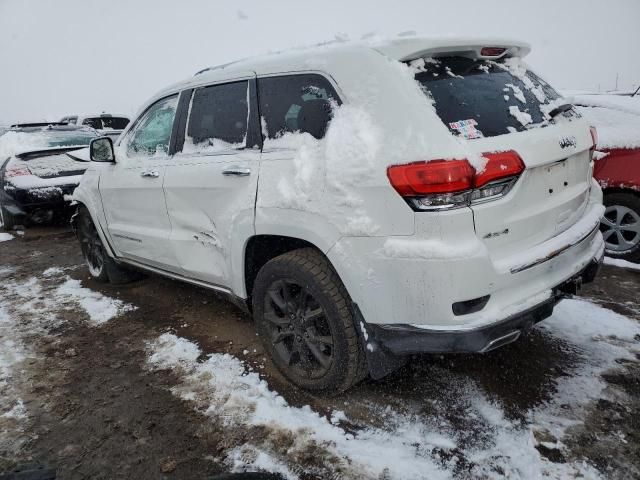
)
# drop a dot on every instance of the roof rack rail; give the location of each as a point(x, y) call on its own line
point(218, 67)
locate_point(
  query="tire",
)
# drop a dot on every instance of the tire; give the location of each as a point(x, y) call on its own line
point(302, 314)
point(620, 226)
point(8, 219)
point(100, 265)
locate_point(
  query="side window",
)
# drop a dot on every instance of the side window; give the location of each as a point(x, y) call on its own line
point(152, 132)
point(296, 103)
point(218, 118)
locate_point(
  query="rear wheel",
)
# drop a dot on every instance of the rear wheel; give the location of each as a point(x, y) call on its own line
point(302, 314)
point(620, 226)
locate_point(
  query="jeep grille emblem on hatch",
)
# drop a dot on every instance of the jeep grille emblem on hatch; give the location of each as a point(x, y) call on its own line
point(568, 142)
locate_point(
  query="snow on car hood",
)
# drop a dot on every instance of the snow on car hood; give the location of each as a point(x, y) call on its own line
point(616, 117)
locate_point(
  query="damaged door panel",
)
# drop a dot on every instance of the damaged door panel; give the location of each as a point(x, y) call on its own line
point(210, 185)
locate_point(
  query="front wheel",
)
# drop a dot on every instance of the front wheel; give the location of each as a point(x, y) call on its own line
point(101, 266)
point(303, 316)
point(620, 226)
point(92, 249)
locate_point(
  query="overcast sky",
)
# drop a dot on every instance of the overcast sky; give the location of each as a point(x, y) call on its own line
point(69, 56)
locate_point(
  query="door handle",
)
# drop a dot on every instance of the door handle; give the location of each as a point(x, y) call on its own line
point(237, 171)
point(150, 173)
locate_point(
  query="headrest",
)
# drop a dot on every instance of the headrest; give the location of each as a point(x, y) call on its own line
point(314, 117)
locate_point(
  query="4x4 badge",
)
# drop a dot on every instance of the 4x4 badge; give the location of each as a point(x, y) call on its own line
point(568, 142)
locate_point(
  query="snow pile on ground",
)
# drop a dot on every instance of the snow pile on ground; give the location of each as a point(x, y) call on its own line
point(220, 386)
point(616, 117)
point(4, 236)
point(98, 307)
point(617, 262)
point(409, 444)
point(30, 309)
point(13, 414)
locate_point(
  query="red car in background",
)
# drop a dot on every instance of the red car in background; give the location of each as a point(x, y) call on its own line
point(617, 169)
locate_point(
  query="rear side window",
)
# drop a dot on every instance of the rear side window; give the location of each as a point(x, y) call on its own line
point(296, 103)
point(218, 118)
point(483, 98)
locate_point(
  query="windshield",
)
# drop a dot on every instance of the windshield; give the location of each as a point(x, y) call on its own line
point(483, 98)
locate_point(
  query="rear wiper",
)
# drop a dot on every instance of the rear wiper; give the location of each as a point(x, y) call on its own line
point(565, 107)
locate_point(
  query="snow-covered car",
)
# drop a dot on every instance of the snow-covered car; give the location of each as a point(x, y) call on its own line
point(37, 170)
point(364, 201)
point(617, 169)
point(107, 124)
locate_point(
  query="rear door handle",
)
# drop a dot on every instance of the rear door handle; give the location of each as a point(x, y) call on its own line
point(150, 173)
point(237, 171)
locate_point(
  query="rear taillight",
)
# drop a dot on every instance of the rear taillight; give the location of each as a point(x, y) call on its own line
point(16, 171)
point(444, 184)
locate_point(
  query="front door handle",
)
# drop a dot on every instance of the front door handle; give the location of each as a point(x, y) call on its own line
point(237, 171)
point(150, 173)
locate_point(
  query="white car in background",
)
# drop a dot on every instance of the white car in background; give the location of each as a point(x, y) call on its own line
point(364, 201)
point(107, 124)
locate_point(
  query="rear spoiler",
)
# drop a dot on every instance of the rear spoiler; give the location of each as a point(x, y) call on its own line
point(407, 49)
point(41, 124)
point(48, 151)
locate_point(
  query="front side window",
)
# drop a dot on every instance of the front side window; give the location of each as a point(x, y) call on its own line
point(152, 133)
point(218, 118)
point(296, 103)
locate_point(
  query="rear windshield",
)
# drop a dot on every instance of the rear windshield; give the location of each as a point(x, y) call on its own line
point(485, 98)
point(106, 123)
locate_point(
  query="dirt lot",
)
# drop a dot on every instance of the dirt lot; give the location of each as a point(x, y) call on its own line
point(84, 397)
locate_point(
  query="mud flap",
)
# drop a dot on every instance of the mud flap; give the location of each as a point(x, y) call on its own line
point(380, 362)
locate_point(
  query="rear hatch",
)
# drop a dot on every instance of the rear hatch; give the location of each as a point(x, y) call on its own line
point(499, 105)
point(52, 164)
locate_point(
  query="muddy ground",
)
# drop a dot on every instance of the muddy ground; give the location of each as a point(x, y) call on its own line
point(96, 411)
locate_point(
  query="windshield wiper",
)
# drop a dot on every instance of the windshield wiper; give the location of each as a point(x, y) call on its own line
point(565, 107)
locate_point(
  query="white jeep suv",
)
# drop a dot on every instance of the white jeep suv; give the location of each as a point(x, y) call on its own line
point(363, 201)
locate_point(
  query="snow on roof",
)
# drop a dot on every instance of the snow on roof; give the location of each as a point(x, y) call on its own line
point(616, 117)
point(304, 58)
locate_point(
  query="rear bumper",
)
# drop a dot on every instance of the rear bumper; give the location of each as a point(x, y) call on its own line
point(408, 339)
point(24, 202)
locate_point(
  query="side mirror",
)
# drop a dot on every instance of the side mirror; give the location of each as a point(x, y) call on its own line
point(101, 150)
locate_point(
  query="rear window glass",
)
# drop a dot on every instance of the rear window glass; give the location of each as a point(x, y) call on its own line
point(296, 103)
point(218, 118)
point(484, 98)
point(108, 123)
point(115, 123)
